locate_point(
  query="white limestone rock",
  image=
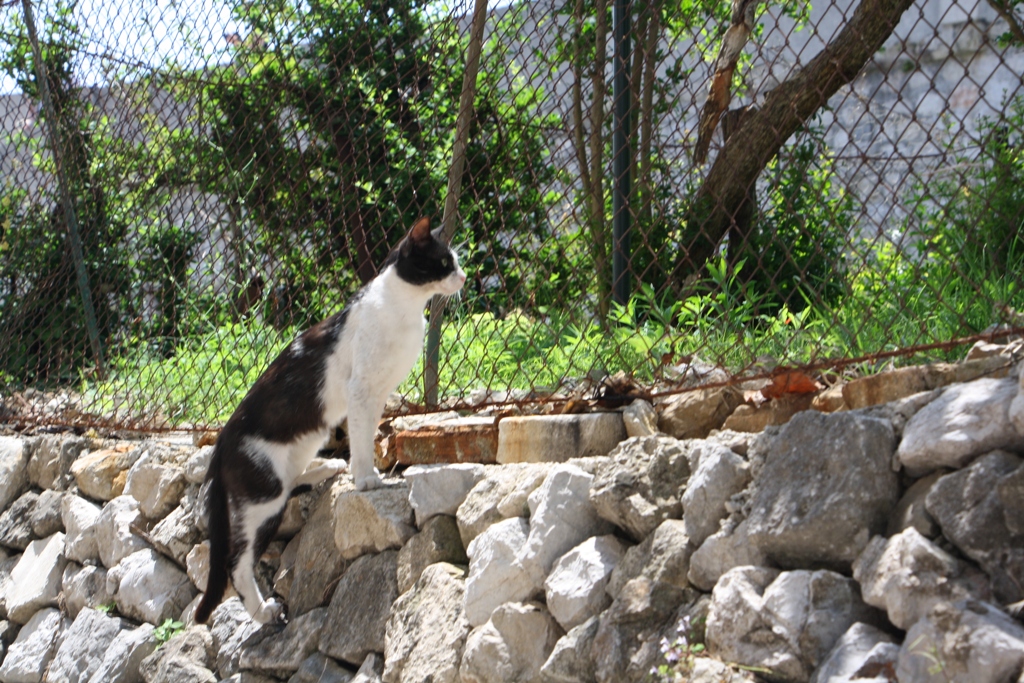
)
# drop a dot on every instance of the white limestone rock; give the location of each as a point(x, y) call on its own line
point(575, 589)
point(230, 627)
point(149, 587)
point(501, 494)
point(185, 658)
point(197, 465)
point(33, 650)
point(721, 552)
point(494, 575)
point(14, 458)
point(85, 643)
point(965, 421)
point(157, 487)
point(640, 419)
point(114, 538)
point(784, 621)
point(907, 575)
point(80, 524)
point(512, 646)
point(561, 517)
point(84, 587)
point(427, 629)
point(124, 655)
point(372, 521)
point(972, 641)
point(282, 653)
point(862, 650)
point(440, 489)
point(718, 474)
point(35, 580)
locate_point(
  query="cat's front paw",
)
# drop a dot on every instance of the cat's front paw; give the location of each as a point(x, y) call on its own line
point(335, 466)
point(369, 481)
point(270, 611)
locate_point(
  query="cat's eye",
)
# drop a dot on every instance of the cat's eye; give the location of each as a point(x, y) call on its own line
point(444, 262)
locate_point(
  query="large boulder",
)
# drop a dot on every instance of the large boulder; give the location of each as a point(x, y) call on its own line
point(440, 489)
point(718, 474)
point(318, 561)
point(279, 651)
point(641, 484)
point(15, 524)
point(786, 622)
point(115, 539)
point(52, 459)
point(972, 508)
point(80, 520)
point(964, 642)
point(570, 660)
point(85, 587)
point(372, 521)
point(501, 494)
point(101, 475)
point(512, 646)
point(427, 629)
point(575, 589)
point(157, 487)
point(861, 652)
point(694, 414)
point(45, 519)
point(965, 421)
point(826, 487)
point(439, 541)
point(124, 655)
point(230, 627)
point(722, 551)
point(185, 658)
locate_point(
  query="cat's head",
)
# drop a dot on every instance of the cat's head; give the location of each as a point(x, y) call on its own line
point(423, 259)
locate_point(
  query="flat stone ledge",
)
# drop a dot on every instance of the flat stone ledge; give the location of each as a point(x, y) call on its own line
point(558, 438)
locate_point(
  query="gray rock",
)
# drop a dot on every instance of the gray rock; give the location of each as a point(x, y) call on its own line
point(15, 525)
point(964, 642)
point(787, 622)
point(969, 508)
point(440, 489)
point(439, 541)
point(1010, 491)
point(157, 487)
point(50, 464)
point(37, 643)
point(642, 483)
point(965, 421)
point(575, 589)
point(721, 552)
point(318, 562)
point(114, 537)
point(371, 670)
point(101, 475)
point(640, 419)
point(857, 655)
point(176, 534)
point(230, 627)
point(483, 505)
point(84, 587)
point(911, 511)
point(85, 643)
point(6, 567)
point(494, 575)
point(718, 474)
point(281, 652)
point(358, 615)
point(907, 575)
point(427, 629)
point(46, 516)
point(663, 559)
point(512, 646)
point(149, 587)
point(571, 660)
point(824, 490)
point(185, 658)
point(8, 632)
point(14, 458)
point(561, 517)
point(197, 465)
point(249, 677)
point(124, 655)
point(283, 579)
point(35, 580)
point(80, 518)
point(318, 668)
point(372, 521)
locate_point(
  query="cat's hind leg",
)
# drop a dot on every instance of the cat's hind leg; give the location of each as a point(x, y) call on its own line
point(261, 521)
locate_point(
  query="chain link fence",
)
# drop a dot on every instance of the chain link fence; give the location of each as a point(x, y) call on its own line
point(649, 189)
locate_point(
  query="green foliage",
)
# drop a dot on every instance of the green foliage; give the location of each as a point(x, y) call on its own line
point(167, 630)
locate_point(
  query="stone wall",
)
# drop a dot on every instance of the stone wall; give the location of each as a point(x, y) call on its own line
point(877, 544)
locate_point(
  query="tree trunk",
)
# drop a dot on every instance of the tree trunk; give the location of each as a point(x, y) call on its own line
point(763, 131)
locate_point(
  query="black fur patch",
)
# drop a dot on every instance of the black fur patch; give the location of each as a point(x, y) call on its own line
point(422, 263)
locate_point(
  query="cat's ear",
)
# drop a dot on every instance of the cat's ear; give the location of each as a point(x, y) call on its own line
point(420, 232)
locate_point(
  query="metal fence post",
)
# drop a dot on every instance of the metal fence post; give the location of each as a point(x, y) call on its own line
point(451, 201)
point(67, 201)
point(622, 189)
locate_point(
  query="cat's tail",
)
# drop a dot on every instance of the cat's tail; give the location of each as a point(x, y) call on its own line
point(218, 527)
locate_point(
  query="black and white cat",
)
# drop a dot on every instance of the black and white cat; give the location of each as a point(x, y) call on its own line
point(346, 366)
